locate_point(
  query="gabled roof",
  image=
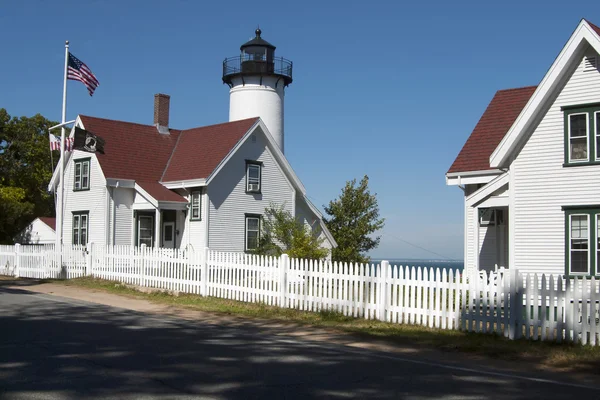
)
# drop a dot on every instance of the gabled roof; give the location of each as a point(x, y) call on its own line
point(50, 221)
point(200, 150)
point(497, 119)
point(586, 34)
point(132, 151)
point(140, 153)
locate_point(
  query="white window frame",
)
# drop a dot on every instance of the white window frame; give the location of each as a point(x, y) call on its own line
point(79, 176)
point(78, 227)
point(139, 228)
point(253, 181)
point(196, 207)
point(587, 216)
point(596, 240)
point(249, 217)
point(596, 135)
point(587, 137)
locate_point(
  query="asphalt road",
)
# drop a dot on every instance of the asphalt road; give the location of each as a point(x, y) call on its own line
point(58, 348)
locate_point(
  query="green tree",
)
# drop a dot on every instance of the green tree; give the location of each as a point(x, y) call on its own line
point(282, 233)
point(352, 219)
point(25, 171)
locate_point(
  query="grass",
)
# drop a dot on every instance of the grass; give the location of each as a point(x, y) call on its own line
point(566, 357)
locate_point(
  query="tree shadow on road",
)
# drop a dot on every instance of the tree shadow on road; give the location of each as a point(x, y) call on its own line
point(52, 348)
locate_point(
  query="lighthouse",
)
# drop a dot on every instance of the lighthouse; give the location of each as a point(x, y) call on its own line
point(257, 81)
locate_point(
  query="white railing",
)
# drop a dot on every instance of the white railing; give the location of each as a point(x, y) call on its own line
point(507, 302)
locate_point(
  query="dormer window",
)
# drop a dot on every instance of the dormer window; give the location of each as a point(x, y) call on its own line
point(253, 176)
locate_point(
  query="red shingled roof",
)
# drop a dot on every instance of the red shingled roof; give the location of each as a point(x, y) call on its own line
point(159, 192)
point(200, 150)
point(495, 122)
point(139, 152)
point(132, 151)
point(50, 221)
point(594, 27)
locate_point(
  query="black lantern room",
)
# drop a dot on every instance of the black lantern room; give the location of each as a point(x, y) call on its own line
point(257, 58)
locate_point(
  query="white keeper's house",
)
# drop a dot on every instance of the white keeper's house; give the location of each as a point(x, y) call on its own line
point(530, 170)
point(200, 187)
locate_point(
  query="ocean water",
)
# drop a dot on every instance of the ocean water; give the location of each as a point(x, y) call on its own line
point(424, 263)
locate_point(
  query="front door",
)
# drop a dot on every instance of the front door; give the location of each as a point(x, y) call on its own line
point(168, 235)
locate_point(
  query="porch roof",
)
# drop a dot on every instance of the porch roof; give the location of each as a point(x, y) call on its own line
point(161, 193)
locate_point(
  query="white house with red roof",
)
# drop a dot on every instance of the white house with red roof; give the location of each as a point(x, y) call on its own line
point(41, 230)
point(529, 171)
point(200, 187)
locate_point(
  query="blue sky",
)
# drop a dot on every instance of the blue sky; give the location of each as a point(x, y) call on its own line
point(386, 89)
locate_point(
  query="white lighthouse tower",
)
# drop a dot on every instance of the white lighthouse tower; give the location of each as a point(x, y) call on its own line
point(257, 81)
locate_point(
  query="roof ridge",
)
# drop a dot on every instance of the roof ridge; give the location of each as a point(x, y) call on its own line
point(123, 122)
point(181, 133)
point(592, 24)
point(517, 88)
point(220, 124)
point(174, 129)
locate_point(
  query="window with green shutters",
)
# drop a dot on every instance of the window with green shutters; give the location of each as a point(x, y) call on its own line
point(582, 135)
point(582, 240)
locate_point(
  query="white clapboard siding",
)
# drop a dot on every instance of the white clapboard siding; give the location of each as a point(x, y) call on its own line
point(470, 229)
point(542, 185)
point(122, 222)
point(310, 220)
point(229, 201)
point(94, 201)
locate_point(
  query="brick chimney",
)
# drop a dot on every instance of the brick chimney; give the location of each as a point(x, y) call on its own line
point(161, 112)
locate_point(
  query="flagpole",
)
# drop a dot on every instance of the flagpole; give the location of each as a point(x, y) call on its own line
point(60, 214)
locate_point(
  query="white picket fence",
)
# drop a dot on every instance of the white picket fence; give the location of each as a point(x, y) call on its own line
point(507, 303)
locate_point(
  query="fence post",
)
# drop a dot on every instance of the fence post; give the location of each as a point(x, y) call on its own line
point(382, 289)
point(17, 260)
point(89, 259)
point(284, 262)
point(515, 305)
point(143, 264)
point(204, 272)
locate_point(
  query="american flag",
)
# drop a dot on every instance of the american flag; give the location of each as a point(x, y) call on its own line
point(78, 71)
point(55, 143)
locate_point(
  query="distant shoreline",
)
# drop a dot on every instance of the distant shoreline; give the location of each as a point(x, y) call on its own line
point(427, 263)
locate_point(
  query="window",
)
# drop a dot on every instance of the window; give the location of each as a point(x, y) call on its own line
point(82, 174)
point(578, 137)
point(253, 175)
point(80, 227)
point(145, 233)
point(582, 135)
point(582, 244)
point(252, 232)
point(579, 244)
point(487, 217)
point(597, 129)
point(195, 206)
